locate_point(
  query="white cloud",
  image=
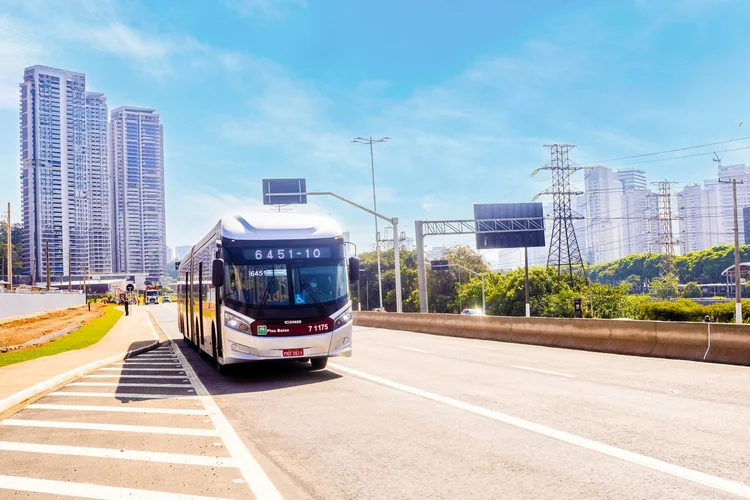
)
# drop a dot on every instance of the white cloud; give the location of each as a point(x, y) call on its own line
point(269, 8)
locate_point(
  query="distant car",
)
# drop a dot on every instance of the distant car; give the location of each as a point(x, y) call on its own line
point(165, 300)
point(472, 312)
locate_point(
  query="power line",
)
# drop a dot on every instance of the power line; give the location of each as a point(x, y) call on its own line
point(673, 157)
point(673, 150)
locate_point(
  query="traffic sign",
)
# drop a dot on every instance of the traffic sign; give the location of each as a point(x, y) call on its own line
point(292, 191)
point(439, 265)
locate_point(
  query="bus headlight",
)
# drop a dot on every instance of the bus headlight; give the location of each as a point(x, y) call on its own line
point(236, 323)
point(343, 319)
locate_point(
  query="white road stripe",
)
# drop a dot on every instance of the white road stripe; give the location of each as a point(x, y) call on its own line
point(86, 490)
point(115, 384)
point(412, 349)
point(146, 456)
point(90, 426)
point(129, 395)
point(145, 363)
point(252, 472)
point(153, 376)
point(694, 476)
point(118, 409)
point(559, 374)
point(142, 369)
point(146, 357)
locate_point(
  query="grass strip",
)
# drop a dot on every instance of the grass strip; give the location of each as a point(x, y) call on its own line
point(88, 334)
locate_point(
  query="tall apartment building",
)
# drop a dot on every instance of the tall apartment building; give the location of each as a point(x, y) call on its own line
point(138, 207)
point(637, 209)
point(740, 172)
point(700, 219)
point(604, 239)
point(55, 189)
point(632, 179)
point(97, 165)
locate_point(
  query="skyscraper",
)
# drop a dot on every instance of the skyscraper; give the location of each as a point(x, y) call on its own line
point(97, 165)
point(637, 208)
point(138, 208)
point(740, 172)
point(604, 214)
point(55, 187)
point(632, 179)
point(699, 218)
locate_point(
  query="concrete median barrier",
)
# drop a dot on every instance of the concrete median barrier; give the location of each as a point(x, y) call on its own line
point(729, 343)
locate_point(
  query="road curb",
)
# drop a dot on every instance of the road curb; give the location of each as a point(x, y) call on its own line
point(21, 396)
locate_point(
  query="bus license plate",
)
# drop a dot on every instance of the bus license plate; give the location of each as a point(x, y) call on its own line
point(292, 352)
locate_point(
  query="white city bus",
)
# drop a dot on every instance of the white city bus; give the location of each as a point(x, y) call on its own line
point(275, 286)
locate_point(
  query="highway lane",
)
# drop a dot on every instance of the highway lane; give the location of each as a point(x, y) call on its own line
point(342, 433)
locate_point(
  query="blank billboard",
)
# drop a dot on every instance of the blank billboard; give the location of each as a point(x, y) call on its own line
point(509, 225)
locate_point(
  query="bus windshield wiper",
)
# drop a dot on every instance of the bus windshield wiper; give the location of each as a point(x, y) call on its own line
point(306, 286)
point(264, 299)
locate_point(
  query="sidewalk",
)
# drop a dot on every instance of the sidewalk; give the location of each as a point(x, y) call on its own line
point(130, 332)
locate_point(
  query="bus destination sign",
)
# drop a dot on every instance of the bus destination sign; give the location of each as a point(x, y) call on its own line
point(287, 253)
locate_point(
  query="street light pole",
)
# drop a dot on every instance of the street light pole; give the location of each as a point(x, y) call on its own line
point(371, 141)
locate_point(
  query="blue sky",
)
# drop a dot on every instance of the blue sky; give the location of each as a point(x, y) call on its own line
point(468, 91)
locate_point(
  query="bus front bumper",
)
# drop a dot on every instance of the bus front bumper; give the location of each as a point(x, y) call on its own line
point(241, 348)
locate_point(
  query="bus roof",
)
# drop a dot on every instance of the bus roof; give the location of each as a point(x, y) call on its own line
point(279, 226)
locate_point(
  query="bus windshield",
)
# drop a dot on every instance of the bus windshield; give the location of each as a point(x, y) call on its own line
point(287, 285)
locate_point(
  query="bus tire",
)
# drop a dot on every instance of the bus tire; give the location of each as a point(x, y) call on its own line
point(319, 363)
point(215, 354)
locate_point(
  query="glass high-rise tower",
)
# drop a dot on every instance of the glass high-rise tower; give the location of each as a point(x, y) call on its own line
point(55, 172)
point(138, 208)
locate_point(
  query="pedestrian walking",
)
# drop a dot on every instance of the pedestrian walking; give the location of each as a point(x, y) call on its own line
point(127, 308)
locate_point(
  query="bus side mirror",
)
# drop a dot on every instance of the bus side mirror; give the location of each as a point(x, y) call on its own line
point(217, 272)
point(353, 269)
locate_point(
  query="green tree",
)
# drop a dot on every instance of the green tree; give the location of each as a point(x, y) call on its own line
point(16, 253)
point(692, 290)
point(665, 287)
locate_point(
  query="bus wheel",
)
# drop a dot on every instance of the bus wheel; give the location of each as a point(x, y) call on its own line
point(319, 363)
point(215, 354)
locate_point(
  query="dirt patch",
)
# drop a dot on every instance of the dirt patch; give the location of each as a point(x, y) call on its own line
point(23, 330)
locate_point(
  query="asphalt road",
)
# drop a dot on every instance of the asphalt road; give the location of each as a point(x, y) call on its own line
point(420, 416)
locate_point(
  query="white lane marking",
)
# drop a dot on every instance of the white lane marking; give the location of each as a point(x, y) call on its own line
point(150, 376)
point(117, 409)
point(116, 384)
point(146, 456)
point(694, 476)
point(142, 369)
point(253, 473)
point(139, 363)
point(538, 370)
point(90, 426)
point(86, 490)
point(412, 349)
point(143, 357)
point(129, 395)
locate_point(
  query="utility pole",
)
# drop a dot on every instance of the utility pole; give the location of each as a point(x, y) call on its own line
point(70, 271)
point(737, 273)
point(10, 252)
point(85, 292)
point(47, 257)
point(371, 141)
